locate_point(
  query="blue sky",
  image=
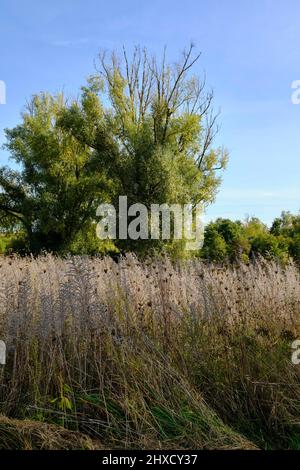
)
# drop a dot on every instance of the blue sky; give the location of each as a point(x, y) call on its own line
point(251, 55)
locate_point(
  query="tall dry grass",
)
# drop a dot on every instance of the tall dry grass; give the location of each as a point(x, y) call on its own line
point(153, 354)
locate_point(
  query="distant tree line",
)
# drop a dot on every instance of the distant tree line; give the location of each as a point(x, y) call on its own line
point(228, 241)
point(225, 241)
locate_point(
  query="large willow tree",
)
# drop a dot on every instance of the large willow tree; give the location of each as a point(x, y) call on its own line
point(141, 128)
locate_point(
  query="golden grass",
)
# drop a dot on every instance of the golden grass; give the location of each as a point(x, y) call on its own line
point(32, 435)
point(153, 354)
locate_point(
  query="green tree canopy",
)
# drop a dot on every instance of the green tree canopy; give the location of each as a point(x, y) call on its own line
point(52, 196)
point(226, 240)
point(140, 128)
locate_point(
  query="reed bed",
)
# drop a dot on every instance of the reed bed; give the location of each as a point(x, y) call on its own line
point(152, 354)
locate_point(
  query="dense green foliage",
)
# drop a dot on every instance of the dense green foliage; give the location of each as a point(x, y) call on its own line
point(226, 240)
point(139, 128)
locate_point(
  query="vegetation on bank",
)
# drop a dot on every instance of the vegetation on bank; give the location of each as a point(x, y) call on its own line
point(152, 354)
